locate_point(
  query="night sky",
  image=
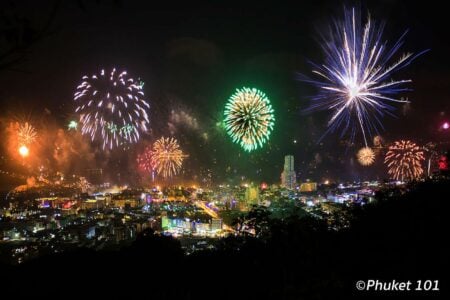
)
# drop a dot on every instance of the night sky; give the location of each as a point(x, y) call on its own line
point(193, 57)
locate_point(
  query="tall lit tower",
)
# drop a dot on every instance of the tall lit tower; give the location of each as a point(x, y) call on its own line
point(288, 177)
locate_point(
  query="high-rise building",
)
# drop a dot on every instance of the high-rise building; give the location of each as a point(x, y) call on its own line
point(288, 177)
point(251, 195)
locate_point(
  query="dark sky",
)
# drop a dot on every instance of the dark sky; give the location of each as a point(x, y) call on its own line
point(192, 57)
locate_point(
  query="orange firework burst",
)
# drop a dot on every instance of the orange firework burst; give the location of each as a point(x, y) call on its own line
point(26, 134)
point(404, 160)
point(167, 157)
point(366, 156)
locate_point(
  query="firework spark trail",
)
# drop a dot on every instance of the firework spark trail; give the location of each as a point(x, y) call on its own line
point(404, 160)
point(249, 118)
point(354, 80)
point(26, 134)
point(112, 108)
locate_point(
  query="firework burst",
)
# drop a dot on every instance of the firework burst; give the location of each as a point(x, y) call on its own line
point(112, 108)
point(404, 160)
point(355, 81)
point(145, 161)
point(167, 157)
point(26, 134)
point(366, 156)
point(249, 118)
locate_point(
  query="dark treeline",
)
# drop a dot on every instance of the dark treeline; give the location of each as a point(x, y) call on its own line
point(403, 236)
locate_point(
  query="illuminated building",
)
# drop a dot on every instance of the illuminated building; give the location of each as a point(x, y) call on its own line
point(56, 202)
point(216, 224)
point(165, 222)
point(93, 204)
point(186, 224)
point(126, 203)
point(288, 177)
point(69, 211)
point(251, 195)
point(175, 223)
point(202, 228)
point(12, 234)
point(308, 187)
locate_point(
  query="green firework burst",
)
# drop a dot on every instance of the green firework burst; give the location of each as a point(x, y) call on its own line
point(249, 118)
